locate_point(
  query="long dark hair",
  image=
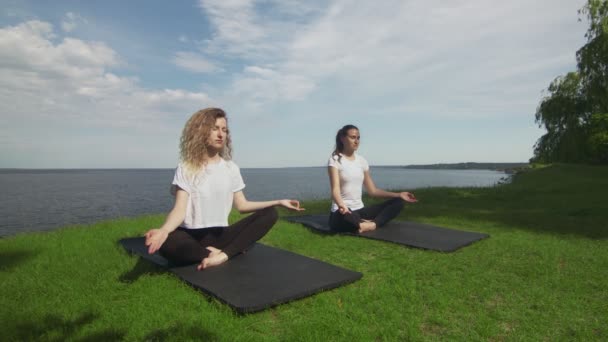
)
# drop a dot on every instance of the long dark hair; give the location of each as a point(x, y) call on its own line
point(342, 132)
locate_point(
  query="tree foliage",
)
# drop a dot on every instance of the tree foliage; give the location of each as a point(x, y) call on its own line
point(575, 111)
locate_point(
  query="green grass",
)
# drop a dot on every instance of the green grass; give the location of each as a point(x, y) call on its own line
point(541, 276)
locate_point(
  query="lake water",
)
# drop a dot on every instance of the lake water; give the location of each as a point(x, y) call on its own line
point(38, 200)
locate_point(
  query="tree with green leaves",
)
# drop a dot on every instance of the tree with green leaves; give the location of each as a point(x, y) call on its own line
point(575, 112)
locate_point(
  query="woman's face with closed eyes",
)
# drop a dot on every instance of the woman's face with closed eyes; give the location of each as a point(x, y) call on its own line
point(218, 135)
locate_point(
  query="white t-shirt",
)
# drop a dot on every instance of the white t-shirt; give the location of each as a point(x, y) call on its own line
point(211, 193)
point(351, 180)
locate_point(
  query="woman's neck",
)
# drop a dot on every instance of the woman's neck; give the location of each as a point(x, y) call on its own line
point(213, 156)
point(348, 154)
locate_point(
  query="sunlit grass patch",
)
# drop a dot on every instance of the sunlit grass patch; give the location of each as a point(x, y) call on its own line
point(541, 275)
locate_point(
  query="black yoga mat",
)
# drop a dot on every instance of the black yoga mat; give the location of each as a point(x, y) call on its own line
point(403, 232)
point(262, 277)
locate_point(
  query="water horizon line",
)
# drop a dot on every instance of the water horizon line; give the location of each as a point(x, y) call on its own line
point(253, 167)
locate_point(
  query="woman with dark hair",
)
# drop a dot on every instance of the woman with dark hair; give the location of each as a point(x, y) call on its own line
point(348, 171)
point(206, 185)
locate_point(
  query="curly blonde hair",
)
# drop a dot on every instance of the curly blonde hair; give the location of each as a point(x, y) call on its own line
point(193, 143)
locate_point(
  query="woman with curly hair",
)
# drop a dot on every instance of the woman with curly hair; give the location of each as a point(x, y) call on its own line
point(207, 183)
point(348, 171)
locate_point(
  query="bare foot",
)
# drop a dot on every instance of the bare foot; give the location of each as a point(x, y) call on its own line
point(366, 226)
point(216, 257)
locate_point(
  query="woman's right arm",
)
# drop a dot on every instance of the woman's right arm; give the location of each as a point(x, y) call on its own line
point(156, 237)
point(334, 182)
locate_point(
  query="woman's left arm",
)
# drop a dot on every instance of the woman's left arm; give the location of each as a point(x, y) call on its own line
point(373, 191)
point(244, 206)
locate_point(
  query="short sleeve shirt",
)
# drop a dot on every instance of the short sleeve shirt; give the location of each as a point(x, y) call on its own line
point(351, 174)
point(211, 192)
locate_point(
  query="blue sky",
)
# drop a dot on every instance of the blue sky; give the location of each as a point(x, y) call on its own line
point(110, 84)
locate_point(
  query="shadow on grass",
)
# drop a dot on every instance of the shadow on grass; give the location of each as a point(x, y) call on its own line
point(142, 267)
point(56, 328)
point(184, 333)
point(12, 259)
point(534, 213)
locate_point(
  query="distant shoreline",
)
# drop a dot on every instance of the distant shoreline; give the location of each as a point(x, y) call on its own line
point(506, 167)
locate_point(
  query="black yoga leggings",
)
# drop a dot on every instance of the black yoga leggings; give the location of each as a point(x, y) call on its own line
point(380, 213)
point(188, 246)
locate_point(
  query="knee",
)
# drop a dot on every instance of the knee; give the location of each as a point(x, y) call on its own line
point(398, 202)
point(171, 246)
point(168, 250)
point(270, 214)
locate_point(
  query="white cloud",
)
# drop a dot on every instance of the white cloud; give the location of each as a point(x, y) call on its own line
point(255, 29)
point(31, 59)
point(388, 41)
point(264, 72)
point(45, 80)
point(411, 62)
point(29, 47)
point(439, 55)
point(447, 52)
point(236, 31)
point(194, 62)
point(261, 86)
point(245, 31)
point(70, 21)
